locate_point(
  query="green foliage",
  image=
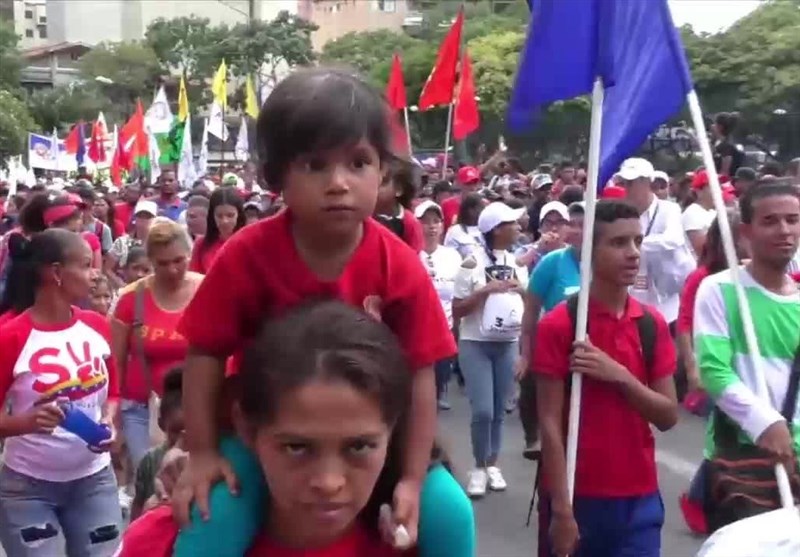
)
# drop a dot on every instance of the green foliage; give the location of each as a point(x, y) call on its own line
point(366, 51)
point(62, 106)
point(15, 123)
point(9, 56)
point(131, 66)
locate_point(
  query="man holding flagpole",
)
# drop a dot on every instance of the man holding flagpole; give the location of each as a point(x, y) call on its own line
point(627, 362)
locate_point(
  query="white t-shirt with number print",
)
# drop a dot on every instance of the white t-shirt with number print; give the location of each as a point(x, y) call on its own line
point(471, 279)
point(40, 363)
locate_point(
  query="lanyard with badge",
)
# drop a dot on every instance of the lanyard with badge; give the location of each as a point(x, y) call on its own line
point(642, 282)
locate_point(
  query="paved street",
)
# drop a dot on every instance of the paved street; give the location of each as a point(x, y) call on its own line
point(501, 516)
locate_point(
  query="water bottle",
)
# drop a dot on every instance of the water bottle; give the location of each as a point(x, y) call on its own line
point(77, 422)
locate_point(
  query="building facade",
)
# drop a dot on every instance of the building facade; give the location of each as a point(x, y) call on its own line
point(336, 18)
point(29, 18)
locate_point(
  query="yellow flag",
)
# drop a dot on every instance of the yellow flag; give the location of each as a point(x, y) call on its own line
point(251, 102)
point(183, 101)
point(220, 85)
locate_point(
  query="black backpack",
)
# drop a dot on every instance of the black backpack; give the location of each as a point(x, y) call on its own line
point(646, 324)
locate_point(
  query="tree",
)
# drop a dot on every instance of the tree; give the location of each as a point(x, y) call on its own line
point(132, 67)
point(9, 56)
point(753, 68)
point(495, 58)
point(260, 45)
point(15, 123)
point(61, 107)
point(368, 50)
point(190, 45)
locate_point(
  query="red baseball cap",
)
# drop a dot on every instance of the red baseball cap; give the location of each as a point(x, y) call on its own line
point(700, 180)
point(468, 175)
point(613, 192)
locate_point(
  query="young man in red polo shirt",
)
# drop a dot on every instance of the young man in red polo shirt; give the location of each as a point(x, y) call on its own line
point(617, 508)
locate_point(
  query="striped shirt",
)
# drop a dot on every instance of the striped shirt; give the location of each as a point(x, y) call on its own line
point(727, 368)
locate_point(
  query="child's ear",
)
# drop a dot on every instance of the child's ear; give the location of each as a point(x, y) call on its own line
point(244, 430)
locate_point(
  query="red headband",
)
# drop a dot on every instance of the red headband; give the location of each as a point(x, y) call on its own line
point(58, 213)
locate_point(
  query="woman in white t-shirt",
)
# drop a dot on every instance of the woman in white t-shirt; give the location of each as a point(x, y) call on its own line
point(464, 235)
point(58, 496)
point(697, 217)
point(488, 299)
point(443, 264)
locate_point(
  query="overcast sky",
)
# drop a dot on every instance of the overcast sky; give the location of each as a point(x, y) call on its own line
point(710, 15)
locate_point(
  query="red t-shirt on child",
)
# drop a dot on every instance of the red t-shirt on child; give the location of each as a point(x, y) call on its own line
point(260, 275)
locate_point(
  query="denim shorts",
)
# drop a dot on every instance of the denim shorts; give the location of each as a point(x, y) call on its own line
point(78, 518)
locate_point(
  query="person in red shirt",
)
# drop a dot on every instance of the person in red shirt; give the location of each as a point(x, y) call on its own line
point(394, 206)
point(124, 209)
point(161, 299)
point(321, 395)
point(225, 216)
point(326, 139)
point(468, 180)
point(617, 508)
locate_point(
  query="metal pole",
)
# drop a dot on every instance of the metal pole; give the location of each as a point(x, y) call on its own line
point(447, 139)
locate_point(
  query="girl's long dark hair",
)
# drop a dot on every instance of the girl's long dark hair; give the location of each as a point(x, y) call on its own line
point(222, 196)
point(28, 257)
point(713, 256)
point(331, 340)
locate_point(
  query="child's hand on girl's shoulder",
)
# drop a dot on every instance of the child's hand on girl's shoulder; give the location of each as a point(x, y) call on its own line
point(194, 483)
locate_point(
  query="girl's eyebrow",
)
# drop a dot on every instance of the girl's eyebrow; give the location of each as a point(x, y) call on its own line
point(301, 437)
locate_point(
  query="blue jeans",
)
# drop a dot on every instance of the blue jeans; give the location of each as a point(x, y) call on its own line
point(611, 527)
point(34, 512)
point(135, 418)
point(488, 369)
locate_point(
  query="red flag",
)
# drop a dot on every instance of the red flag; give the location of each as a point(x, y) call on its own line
point(73, 139)
point(97, 147)
point(133, 138)
point(119, 162)
point(466, 117)
point(439, 87)
point(396, 88)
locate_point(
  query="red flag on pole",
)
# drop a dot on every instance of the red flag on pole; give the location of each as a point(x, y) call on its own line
point(466, 117)
point(97, 147)
point(441, 83)
point(396, 87)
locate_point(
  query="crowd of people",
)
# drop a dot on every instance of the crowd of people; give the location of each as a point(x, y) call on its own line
point(269, 354)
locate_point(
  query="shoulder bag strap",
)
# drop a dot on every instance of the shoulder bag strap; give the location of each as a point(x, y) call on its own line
point(790, 402)
point(136, 333)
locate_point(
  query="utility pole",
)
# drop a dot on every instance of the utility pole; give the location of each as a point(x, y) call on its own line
point(251, 10)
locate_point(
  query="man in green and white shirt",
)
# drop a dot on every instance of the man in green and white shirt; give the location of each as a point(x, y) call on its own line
point(770, 215)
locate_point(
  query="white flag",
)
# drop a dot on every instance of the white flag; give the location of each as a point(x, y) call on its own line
point(242, 149)
point(159, 116)
point(155, 155)
point(186, 172)
point(216, 123)
point(202, 160)
point(54, 149)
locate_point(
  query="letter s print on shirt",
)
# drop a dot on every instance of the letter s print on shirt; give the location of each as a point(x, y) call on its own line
point(74, 377)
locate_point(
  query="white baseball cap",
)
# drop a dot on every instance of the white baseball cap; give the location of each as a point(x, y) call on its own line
point(497, 213)
point(146, 206)
point(635, 168)
point(426, 206)
point(556, 206)
point(661, 175)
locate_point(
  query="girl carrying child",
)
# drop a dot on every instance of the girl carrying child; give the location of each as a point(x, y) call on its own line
point(320, 401)
point(325, 140)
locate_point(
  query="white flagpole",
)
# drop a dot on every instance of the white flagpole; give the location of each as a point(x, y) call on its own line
point(408, 131)
point(581, 321)
point(733, 265)
point(447, 138)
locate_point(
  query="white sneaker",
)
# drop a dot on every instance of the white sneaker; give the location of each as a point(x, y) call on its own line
point(496, 480)
point(476, 485)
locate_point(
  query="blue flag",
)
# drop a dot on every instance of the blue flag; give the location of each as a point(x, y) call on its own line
point(81, 152)
point(632, 45)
